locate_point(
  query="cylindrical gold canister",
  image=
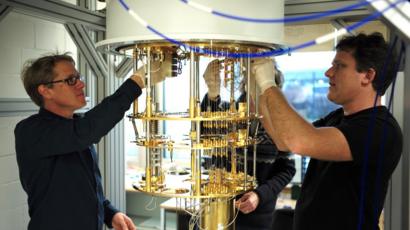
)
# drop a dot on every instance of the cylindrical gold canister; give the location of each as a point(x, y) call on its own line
point(218, 214)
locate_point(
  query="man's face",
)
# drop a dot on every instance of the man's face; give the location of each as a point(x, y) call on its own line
point(344, 80)
point(63, 96)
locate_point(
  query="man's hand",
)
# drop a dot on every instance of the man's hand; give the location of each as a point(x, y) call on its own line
point(263, 70)
point(248, 202)
point(122, 222)
point(139, 79)
point(159, 70)
point(213, 79)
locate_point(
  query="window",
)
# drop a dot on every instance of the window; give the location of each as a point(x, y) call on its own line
point(306, 88)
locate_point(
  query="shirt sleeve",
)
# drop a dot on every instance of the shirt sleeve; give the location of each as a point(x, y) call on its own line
point(366, 135)
point(212, 104)
point(69, 135)
point(109, 212)
point(282, 175)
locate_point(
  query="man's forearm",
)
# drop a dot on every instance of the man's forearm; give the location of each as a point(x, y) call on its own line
point(289, 127)
point(267, 124)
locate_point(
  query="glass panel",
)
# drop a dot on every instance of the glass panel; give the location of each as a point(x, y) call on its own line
point(306, 88)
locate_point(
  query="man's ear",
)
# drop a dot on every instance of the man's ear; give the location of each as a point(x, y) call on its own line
point(369, 76)
point(44, 91)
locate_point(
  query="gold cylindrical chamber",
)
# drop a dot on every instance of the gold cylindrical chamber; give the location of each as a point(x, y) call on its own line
point(218, 214)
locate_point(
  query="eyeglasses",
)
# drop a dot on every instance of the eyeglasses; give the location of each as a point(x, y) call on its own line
point(69, 81)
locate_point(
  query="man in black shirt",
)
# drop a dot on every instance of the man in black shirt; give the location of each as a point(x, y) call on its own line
point(57, 161)
point(354, 149)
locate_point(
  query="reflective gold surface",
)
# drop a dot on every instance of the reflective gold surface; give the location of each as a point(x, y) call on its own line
point(212, 153)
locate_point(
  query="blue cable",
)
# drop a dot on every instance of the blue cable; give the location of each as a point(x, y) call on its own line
point(368, 143)
point(292, 19)
point(278, 52)
point(382, 144)
point(123, 4)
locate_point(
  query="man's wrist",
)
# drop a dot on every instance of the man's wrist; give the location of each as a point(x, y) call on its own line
point(138, 79)
point(213, 97)
point(266, 87)
point(213, 94)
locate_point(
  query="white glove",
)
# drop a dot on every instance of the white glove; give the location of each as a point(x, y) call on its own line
point(213, 79)
point(263, 70)
point(159, 70)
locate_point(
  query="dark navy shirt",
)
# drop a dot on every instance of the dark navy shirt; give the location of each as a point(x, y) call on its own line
point(58, 164)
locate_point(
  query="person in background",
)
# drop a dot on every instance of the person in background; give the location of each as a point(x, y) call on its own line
point(274, 169)
point(354, 149)
point(57, 161)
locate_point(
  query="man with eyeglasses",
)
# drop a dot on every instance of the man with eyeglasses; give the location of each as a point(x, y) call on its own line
point(57, 161)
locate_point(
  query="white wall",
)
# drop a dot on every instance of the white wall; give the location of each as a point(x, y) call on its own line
point(13, 205)
point(22, 37)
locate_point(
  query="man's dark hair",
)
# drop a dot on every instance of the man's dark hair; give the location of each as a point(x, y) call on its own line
point(40, 71)
point(372, 51)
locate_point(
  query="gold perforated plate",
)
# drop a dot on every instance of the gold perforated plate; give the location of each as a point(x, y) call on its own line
point(183, 116)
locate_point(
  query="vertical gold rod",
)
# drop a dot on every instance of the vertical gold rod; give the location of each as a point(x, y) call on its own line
point(148, 123)
point(198, 126)
point(198, 166)
point(135, 104)
point(197, 92)
point(192, 85)
point(248, 102)
point(194, 169)
point(233, 161)
point(248, 98)
point(135, 67)
point(148, 84)
point(232, 88)
point(135, 108)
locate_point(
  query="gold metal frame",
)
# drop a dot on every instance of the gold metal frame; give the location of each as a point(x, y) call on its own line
point(221, 136)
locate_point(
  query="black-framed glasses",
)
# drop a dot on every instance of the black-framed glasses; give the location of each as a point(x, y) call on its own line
point(69, 81)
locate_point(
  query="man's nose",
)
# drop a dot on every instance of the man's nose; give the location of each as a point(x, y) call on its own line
point(80, 84)
point(329, 72)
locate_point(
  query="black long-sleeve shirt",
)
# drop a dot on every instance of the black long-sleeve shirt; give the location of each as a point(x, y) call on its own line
point(58, 166)
point(274, 170)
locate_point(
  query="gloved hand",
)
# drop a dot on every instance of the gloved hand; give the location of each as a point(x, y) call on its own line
point(213, 79)
point(263, 71)
point(159, 70)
